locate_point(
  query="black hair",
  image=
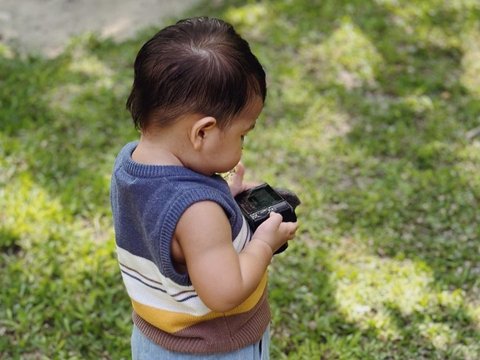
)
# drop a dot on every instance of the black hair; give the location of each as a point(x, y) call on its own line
point(197, 66)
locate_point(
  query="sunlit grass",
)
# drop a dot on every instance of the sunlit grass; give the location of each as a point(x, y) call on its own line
point(346, 57)
point(471, 63)
point(375, 292)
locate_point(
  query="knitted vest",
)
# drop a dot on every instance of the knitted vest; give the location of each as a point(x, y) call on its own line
point(147, 203)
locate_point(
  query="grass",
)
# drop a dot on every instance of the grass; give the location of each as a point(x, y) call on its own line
point(369, 119)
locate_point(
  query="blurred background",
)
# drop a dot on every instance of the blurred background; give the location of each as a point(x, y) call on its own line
point(46, 26)
point(372, 117)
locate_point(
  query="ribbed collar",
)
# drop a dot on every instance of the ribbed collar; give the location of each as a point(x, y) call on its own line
point(141, 170)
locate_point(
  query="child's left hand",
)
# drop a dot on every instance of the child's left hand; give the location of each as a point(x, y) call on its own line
point(236, 183)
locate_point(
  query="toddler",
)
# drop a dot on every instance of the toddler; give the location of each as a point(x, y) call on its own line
point(196, 275)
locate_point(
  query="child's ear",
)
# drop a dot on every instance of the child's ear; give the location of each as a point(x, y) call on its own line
point(201, 130)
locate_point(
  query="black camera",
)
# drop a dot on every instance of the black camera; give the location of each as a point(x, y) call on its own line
point(257, 203)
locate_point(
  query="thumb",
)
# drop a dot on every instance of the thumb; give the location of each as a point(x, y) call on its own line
point(276, 218)
point(237, 178)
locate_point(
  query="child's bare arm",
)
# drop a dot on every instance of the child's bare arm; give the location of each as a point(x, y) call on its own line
point(223, 278)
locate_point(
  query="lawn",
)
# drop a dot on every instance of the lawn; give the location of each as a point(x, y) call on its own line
point(372, 117)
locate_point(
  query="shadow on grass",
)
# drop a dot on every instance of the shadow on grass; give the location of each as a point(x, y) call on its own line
point(418, 199)
point(303, 304)
point(9, 242)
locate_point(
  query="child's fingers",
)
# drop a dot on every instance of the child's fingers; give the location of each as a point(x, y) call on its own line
point(275, 218)
point(290, 229)
point(240, 169)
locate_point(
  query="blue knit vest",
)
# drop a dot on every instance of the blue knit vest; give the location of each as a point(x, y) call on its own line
point(147, 203)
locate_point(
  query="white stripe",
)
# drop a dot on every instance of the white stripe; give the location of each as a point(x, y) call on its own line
point(147, 285)
point(142, 278)
point(243, 236)
point(147, 295)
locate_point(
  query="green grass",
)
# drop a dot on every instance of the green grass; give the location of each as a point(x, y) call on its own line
point(368, 117)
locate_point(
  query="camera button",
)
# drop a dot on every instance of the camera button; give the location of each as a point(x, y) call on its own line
point(263, 212)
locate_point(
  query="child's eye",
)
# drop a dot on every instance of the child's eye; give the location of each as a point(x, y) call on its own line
point(243, 140)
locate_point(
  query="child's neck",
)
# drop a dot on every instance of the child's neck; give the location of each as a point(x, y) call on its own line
point(153, 152)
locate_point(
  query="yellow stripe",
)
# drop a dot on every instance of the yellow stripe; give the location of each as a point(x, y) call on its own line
point(172, 322)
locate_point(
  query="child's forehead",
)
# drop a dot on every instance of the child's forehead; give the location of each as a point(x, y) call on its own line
point(247, 119)
point(253, 108)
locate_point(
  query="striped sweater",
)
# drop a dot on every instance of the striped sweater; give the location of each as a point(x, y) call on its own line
point(147, 203)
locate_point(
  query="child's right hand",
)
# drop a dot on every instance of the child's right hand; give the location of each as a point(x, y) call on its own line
point(274, 232)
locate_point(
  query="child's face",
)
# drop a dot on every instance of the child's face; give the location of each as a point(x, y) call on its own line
point(225, 149)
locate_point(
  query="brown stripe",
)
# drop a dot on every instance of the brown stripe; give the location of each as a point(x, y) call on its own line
point(222, 334)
